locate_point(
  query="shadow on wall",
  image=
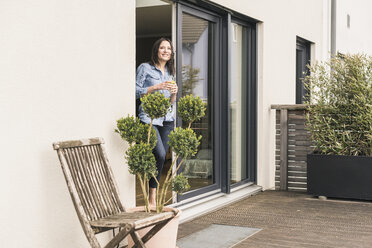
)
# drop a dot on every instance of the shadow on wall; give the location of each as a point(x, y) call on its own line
point(59, 220)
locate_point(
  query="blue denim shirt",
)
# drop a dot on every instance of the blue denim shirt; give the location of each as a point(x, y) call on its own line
point(148, 75)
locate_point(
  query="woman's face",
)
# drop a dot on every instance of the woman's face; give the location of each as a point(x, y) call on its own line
point(165, 51)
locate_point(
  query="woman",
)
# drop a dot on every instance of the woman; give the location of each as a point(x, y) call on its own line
point(157, 75)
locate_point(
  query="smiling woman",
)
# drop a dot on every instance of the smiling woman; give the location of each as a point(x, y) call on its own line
point(157, 75)
point(153, 21)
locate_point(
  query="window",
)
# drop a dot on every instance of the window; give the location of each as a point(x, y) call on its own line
point(302, 60)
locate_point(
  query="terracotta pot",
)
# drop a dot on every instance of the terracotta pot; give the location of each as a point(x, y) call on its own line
point(166, 237)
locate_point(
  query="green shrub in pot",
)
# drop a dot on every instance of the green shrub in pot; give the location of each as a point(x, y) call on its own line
point(142, 139)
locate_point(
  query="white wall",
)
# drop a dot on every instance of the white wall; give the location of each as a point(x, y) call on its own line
point(66, 72)
point(281, 22)
point(358, 37)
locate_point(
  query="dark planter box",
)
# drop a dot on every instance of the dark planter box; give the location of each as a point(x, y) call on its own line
point(339, 176)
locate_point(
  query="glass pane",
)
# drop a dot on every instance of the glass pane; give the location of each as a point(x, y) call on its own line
point(197, 37)
point(237, 105)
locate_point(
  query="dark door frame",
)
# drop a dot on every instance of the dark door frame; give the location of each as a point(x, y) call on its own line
point(216, 87)
point(223, 18)
point(251, 108)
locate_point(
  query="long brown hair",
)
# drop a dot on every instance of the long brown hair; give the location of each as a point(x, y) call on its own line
point(154, 55)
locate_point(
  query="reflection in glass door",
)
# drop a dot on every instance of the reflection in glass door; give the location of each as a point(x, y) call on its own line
point(196, 61)
point(238, 104)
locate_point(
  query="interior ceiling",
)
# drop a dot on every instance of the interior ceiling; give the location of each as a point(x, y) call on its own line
point(154, 21)
point(192, 28)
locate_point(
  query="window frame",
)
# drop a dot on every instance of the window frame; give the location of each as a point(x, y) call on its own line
point(302, 94)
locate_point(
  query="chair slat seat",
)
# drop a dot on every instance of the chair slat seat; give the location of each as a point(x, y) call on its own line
point(95, 196)
point(138, 220)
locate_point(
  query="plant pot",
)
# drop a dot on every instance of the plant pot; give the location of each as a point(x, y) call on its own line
point(166, 237)
point(339, 176)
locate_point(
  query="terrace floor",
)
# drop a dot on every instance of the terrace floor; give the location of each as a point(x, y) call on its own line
point(290, 219)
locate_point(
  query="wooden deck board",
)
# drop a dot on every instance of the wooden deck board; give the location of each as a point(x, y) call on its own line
point(290, 219)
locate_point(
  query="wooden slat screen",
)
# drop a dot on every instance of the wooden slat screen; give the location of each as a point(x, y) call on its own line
point(298, 146)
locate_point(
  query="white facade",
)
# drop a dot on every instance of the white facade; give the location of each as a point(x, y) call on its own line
point(354, 22)
point(67, 71)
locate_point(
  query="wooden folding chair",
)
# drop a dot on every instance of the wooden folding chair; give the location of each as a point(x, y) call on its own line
point(94, 194)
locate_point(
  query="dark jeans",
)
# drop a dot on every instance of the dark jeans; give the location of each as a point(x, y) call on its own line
point(161, 148)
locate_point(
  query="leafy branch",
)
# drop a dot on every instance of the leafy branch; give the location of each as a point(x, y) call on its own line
point(340, 121)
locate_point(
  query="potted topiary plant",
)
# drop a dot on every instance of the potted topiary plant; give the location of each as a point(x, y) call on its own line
point(141, 161)
point(340, 124)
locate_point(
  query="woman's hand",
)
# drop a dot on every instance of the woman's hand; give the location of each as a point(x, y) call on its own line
point(171, 86)
point(162, 86)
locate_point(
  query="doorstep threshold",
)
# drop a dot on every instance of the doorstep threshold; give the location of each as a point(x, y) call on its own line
point(193, 209)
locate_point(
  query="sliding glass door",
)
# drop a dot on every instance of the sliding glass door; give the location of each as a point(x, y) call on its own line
point(197, 74)
point(242, 103)
point(216, 60)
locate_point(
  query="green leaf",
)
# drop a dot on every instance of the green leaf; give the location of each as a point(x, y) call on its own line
point(155, 105)
point(191, 108)
point(141, 160)
point(340, 118)
point(180, 184)
point(184, 142)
